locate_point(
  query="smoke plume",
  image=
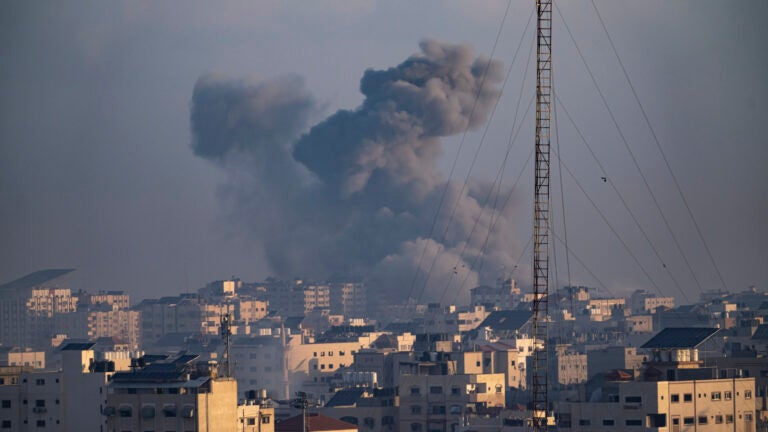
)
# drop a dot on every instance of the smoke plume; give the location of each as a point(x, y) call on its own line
point(356, 194)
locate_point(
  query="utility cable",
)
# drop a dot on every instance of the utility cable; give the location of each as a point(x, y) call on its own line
point(627, 147)
point(661, 150)
point(458, 151)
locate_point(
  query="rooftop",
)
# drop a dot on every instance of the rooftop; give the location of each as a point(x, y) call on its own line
point(36, 279)
point(680, 337)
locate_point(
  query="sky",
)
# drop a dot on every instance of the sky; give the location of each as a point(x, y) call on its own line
point(102, 169)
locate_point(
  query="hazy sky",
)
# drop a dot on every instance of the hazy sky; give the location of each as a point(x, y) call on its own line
point(97, 170)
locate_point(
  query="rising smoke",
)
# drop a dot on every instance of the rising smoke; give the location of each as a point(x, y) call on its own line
point(356, 194)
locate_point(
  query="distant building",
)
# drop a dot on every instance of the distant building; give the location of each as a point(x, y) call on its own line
point(643, 302)
point(349, 299)
point(14, 356)
point(35, 307)
point(505, 295)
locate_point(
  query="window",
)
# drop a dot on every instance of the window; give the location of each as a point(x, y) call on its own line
point(747, 394)
point(251, 421)
point(675, 398)
point(40, 423)
point(633, 422)
point(341, 353)
point(633, 399)
point(436, 390)
point(6, 403)
point(314, 354)
point(330, 366)
point(6, 424)
point(729, 418)
point(330, 353)
point(656, 420)
point(748, 417)
point(715, 396)
point(322, 366)
point(728, 395)
point(369, 422)
point(455, 409)
point(415, 409)
point(608, 422)
point(455, 390)
point(415, 427)
point(703, 420)
point(438, 409)
point(40, 403)
point(265, 420)
point(414, 390)
point(687, 420)
point(718, 419)
point(688, 397)
point(477, 363)
point(40, 381)
point(584, 422)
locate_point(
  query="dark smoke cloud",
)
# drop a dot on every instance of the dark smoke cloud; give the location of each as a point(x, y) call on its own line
point(357, 192)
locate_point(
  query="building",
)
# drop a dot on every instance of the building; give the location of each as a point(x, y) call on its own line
point(172, 395)
point(109, 298)
point(673, 392)
point(568, 366)
point(110, 320)
point(256, 414)
point(505, 295)
point(30, 400)
point(349, 299)
point(34, 308)
point(643, 302)
point(14, 356)
point(168, 315)
point(610, 358)
point(434, 396)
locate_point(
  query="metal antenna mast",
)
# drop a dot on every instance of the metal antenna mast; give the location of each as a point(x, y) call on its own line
point(541, 212)
point(226, 332)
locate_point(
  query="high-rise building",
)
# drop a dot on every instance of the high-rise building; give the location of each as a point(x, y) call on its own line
point(35, 307)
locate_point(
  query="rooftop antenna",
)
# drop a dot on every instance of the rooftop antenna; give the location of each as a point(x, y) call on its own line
point(540, 402)
point(226, 332)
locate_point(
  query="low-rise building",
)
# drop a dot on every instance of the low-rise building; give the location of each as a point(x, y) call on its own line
point(172, 395)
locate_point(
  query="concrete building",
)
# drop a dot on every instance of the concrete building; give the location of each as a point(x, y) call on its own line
point(349, 299)
point(505, 295)
point(256, 414)
point(174, 395)
point(493, 358)
point(369, 409)
point(568, 366)
point(167, 315)
point(610, 358)
point(110, 320)
point(434, 397)
point(14, 356)
point(673, 392)
point(109, 298)
point(31, 309)
point(643, 302)
point(30, 400)
point(674, 406)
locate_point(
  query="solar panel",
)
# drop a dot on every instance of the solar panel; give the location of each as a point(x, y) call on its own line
point(680, 337)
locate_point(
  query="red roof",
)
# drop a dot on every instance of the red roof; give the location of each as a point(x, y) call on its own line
point(316, 422)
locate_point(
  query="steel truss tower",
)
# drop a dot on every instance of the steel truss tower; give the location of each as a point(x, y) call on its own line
point(540, 397)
